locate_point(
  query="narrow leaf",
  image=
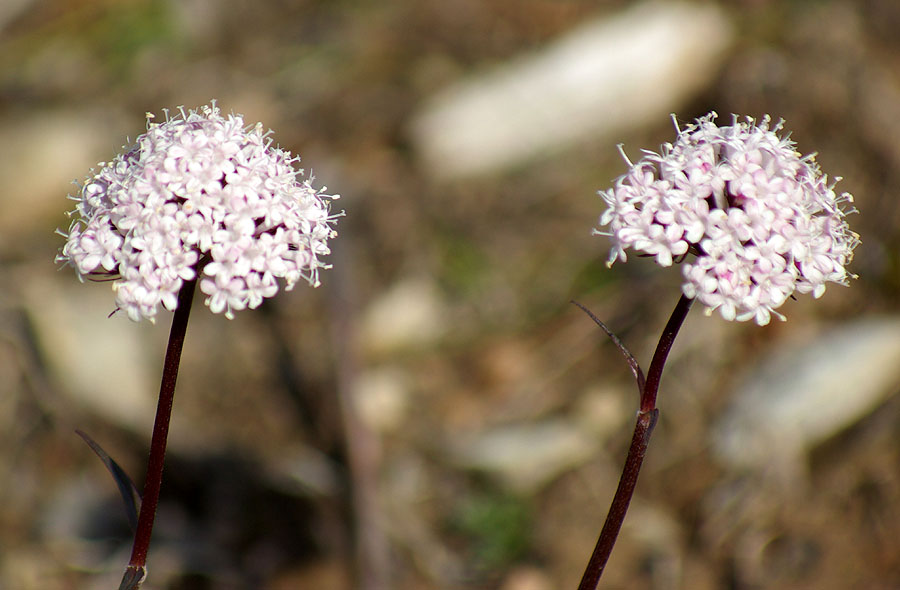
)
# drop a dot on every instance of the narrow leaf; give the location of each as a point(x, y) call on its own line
point(130, 494)
point(629, 358)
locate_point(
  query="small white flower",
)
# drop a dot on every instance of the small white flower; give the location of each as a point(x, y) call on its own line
point(199, 193)
point(763, 221)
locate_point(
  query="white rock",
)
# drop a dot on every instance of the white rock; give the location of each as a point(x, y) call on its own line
point(807, 392)
point(108, 366)
point(411, 313)
point(302, 470)
point(607, 76)
point(41, 154)
point(603, 409)
point(527, 577)
point(10, 10)
point(526, 456)
point(381, 398)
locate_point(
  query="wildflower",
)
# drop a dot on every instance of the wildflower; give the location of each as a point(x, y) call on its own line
point(199, 193)
point(762, 221)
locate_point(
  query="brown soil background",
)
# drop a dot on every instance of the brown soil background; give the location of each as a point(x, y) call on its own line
point(337, 81)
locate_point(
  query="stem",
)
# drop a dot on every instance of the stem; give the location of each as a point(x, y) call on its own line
point(654, 374)
point(137, 567)
point(361, 444)
point(646, 420)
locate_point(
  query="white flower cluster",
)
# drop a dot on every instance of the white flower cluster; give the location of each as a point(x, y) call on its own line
point(762, 221)
point(199, 192)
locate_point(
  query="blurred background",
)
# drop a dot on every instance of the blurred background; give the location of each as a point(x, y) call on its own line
point(437, 414)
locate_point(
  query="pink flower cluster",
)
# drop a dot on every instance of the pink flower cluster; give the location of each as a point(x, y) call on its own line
point(199, 192)
point(762, 221)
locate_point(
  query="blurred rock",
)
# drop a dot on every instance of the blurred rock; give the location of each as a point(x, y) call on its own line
point(408, 315)
point(381, 398)
point(106, 364)
point(527, 577)
point(302, 470)
point(660, 536)
point(69, 513)
point(806, 392)
point(526, 457)
point(322, 575)
point(41, 154)
point(27, 569)
point(11, 9)
point(607, 76)
point(603, 409)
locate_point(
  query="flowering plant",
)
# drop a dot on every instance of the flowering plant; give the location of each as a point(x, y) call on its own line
point(199, 196)
point(199, 193)
point(761, 222)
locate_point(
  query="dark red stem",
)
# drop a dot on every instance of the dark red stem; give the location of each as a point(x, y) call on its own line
point(646, 420)
point(137, 567)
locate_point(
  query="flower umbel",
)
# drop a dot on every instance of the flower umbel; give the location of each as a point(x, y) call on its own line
point(199, 192)
point(762, 220)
